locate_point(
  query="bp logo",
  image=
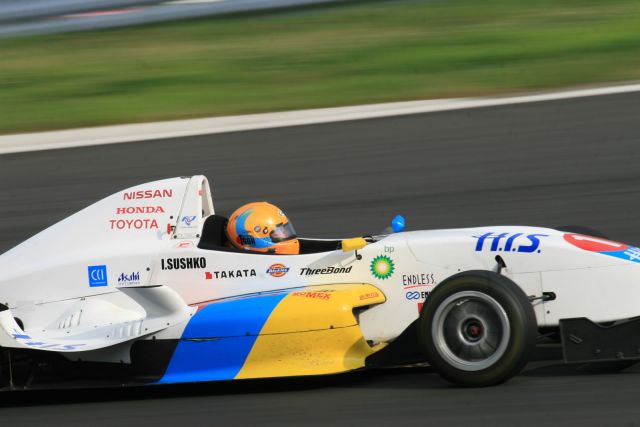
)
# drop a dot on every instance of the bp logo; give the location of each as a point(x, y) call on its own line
point(382, 267)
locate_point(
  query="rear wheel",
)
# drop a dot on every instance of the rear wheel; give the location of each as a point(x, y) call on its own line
point(477, 328)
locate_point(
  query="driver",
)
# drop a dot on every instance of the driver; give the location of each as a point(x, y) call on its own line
point(262, 227)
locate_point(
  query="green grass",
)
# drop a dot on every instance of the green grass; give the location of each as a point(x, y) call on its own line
point(354, 53)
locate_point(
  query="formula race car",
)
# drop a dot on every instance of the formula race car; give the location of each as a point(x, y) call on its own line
point(142, 288)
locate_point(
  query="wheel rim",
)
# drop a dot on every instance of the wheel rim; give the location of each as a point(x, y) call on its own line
point(471, 330)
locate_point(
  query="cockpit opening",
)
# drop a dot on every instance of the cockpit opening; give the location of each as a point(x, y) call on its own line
point(214, 238)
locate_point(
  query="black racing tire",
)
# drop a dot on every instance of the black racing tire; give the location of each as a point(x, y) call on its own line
point(477, 328)
point(579, 229)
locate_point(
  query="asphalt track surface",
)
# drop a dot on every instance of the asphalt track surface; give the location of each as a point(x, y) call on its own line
point(548, 163)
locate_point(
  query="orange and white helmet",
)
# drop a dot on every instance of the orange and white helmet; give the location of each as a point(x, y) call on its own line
point(262, 227)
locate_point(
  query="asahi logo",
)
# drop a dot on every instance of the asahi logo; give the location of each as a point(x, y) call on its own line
point(183, 263)
point(132, 278)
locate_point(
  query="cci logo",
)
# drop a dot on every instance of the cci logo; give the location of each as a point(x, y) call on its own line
point(508, 242)
point(97, 275)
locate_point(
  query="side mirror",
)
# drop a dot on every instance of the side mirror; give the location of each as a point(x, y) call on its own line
point(354, 244)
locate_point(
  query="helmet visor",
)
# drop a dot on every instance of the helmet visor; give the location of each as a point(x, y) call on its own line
point(282, 232)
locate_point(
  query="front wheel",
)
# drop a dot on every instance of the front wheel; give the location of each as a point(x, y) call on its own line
point(477, 328)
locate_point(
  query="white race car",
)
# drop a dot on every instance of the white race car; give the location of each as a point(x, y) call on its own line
point(142, 287)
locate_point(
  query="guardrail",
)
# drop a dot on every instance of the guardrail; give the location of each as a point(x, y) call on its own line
point(20, 18)
point(16, 11)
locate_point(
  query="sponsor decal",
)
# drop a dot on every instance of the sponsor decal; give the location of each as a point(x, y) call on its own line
point(278, 270)
point(509, 242)
point(247, 240)
point(412, 295)
point(382, 267)
point(129, 279)
point(97, 275)
point(148, 194)
point(188, 221)
point(369, 295)
point(136, 223)
point(133, 224)
point(389, 249)
point(594, 244)
point(183, 245)
point(136, 210)
point(183, 263)
point(305, 271)
point(604, 247)
point(417, 280)
point(230, 274)
point(28, 341)
point(321, 295)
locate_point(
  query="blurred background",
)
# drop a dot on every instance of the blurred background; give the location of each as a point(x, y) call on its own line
point(76, 63)
point(68, 64)
point(72, 63)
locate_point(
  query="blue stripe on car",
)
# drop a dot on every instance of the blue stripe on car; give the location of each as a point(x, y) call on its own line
point(218, 339)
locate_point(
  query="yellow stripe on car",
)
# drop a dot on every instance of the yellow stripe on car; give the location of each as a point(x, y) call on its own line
point(313, 331)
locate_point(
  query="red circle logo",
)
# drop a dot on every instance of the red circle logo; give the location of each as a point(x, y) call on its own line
point(594, 244)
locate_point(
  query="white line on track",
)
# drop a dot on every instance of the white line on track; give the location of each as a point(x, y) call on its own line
point(86, 137)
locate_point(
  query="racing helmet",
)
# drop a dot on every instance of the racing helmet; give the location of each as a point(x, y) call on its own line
point(262, 227)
